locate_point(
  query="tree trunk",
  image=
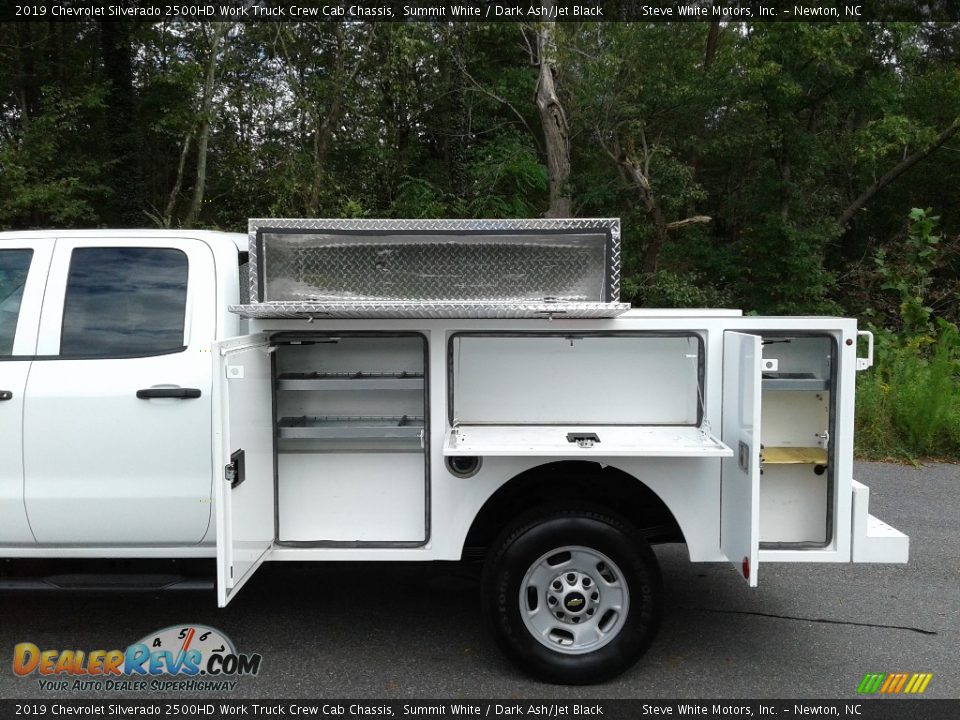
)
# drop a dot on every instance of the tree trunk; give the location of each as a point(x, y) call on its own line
point(122, 131)
point(637, 173)
point(713, 40)
point(553, 120)
point(175, 191)
point(203, 135)
point(651, 254)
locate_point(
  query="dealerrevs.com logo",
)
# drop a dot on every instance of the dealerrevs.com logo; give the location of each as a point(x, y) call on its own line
point(177, 658)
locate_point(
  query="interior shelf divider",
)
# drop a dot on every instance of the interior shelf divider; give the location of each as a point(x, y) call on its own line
point(350, 381)
point(794, 455)
point(797, 382)
point(351, 426)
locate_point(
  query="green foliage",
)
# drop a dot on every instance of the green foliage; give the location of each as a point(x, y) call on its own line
point(909, 404)
point(42, 176)
point(910, 274)
point(505, 174)
point(666, 289)
point(771, 130)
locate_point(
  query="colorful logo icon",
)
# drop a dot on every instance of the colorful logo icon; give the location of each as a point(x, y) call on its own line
point(894, 683)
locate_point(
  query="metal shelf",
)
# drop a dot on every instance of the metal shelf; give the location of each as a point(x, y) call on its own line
point(794, 455)
point(351, 426)
point(350, 381)
point(793, 381)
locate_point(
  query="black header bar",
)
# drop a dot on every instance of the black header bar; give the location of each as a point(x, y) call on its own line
point(856, 708)
point(483, 10)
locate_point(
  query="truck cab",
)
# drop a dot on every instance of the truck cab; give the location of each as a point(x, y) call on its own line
point(105, 367)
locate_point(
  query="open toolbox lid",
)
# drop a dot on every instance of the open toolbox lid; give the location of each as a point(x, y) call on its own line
point(586, 441)
point(434, 268)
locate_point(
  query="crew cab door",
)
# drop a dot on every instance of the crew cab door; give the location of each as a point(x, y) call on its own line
point(245, 493)
point(740, 474)
point(117, 419)
point(23, 274)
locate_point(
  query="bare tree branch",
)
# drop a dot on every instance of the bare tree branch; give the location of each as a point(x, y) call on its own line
point(692, 220)
point(895, 172)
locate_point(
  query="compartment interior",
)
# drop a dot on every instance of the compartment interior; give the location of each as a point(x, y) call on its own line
point(351, 438)
point(796, 453)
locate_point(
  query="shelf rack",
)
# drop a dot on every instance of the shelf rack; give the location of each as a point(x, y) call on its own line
point(350, 381)
point(793, 381)
point(351, 426)
point(794, 455)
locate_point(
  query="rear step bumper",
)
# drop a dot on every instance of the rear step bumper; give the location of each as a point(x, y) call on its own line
point(873, 540)
point(83, 582)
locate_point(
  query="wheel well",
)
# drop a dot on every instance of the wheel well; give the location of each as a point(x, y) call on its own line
point(572, 483)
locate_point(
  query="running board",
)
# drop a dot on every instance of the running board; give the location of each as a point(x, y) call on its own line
point(117, 582)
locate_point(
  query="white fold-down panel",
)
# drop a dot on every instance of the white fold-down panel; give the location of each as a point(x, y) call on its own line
point(611, 441)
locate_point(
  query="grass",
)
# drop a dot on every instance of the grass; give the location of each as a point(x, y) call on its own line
point(908, 406)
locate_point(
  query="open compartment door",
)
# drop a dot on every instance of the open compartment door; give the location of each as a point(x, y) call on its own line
point(245, 493)
point(740, 474)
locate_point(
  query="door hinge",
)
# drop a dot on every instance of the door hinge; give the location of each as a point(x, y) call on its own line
point(743, 457)
point(234, 472)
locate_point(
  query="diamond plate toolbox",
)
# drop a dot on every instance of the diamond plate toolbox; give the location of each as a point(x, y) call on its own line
point(401, 268)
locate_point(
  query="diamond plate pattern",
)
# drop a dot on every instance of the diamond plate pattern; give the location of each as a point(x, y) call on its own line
point(429, 310)
point(305, 267)
point(462, 266)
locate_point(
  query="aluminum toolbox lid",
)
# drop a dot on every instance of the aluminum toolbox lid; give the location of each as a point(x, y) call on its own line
point(434, 268)
point(430, 309)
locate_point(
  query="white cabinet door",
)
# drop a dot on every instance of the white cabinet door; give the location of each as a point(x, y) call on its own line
point(23, 274)
point(245, 493)
point(118, 414)
point(740, 474)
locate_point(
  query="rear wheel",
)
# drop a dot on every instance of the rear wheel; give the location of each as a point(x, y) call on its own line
point(573, 596)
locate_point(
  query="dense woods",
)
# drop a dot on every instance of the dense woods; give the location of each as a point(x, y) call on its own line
point(772, 167)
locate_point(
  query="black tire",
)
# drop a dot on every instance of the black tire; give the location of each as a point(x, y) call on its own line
point(521, 547)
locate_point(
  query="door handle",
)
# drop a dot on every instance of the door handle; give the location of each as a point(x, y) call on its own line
point(178, 393)
point(6, 395)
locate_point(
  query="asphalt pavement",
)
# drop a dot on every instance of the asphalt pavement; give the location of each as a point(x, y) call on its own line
point(414, 631)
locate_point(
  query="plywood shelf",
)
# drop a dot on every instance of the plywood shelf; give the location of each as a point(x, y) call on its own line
point(794, 455)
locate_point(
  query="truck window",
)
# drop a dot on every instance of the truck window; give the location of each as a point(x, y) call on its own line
point(14, 265)
point(124, 302)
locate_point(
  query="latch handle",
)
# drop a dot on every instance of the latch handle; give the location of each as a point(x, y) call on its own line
point(235, 472)
point(583, 439)
point(864, 363)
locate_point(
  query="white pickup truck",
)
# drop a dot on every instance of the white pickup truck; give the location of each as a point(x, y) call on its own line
point(420, 390)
